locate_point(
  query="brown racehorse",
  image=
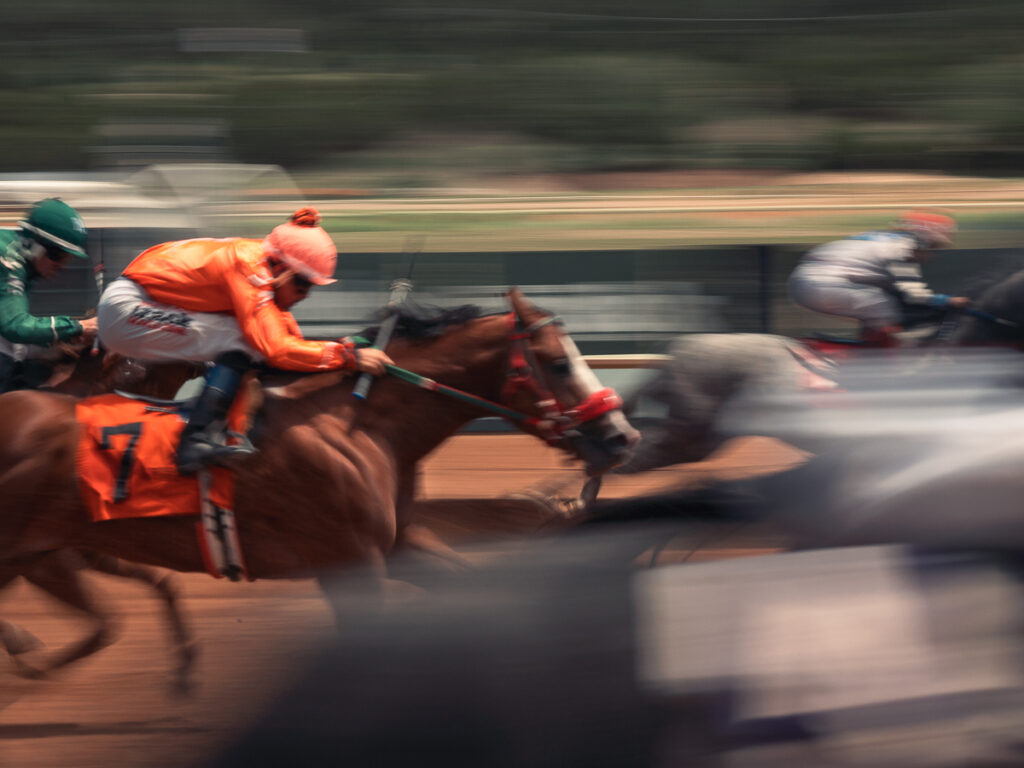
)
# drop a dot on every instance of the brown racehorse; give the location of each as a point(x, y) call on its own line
point(79, 372)
point(335, 476)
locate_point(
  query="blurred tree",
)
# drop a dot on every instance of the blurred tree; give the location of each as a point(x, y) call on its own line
point(601, 74)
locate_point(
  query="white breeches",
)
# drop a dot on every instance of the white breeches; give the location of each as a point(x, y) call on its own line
point(132, 324)
point(870, 305)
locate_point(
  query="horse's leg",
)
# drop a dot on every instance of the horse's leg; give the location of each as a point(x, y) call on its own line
point(365, 587)
point(58, 575)
point(185, 647)
point(420, 538)
point(13, 638)
point(416, 536)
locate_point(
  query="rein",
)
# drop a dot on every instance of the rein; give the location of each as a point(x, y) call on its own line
point(423, 382)
point(557, 419)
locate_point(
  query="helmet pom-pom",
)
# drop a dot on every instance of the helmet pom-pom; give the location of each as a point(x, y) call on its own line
point(306, 217)
point(303, 246)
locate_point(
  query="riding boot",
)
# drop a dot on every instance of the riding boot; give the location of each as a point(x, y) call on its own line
point(8, 373)
point(203, 438)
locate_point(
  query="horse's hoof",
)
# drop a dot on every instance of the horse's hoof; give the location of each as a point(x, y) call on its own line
point(17, 640)
point(544, 504)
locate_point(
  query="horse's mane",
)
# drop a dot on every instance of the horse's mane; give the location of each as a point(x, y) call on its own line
point(417, 321)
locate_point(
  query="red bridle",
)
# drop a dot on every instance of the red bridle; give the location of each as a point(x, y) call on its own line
point(557, 419)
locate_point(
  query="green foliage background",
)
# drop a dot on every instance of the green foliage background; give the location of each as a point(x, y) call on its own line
point(802, 84)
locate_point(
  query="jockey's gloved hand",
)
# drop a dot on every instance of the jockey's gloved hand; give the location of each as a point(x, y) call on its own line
point(371, 360)
point(88, 329)
point(943, 301)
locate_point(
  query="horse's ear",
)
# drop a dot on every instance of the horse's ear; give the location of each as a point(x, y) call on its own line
point(527, 312)
point(518, 301)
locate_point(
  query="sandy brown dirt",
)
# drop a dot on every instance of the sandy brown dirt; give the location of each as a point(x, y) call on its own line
point(493, 465)
point(115, 708)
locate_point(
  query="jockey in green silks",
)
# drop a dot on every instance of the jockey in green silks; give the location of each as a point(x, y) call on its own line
point(45, 241)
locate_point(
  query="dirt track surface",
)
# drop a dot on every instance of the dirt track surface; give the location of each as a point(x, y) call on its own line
point(115, 708)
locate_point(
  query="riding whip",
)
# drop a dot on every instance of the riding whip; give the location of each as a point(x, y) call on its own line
point(400, 289)
point(97, 273)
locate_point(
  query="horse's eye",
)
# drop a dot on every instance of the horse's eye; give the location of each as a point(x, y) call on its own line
point(561, 368)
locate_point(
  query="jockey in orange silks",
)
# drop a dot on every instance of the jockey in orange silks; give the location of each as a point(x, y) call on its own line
point(226, 300)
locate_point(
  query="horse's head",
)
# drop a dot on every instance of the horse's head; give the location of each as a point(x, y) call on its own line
point(550, 379)
point(72, 368)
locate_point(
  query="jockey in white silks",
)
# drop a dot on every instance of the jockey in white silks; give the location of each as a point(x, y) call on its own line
point(871, 276)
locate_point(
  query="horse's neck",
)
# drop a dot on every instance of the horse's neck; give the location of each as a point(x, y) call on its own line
point(470, 358)
point(80, 378)
point(410, 419)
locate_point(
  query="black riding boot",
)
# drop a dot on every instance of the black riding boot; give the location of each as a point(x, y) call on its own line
point(203, 438)
point(8, 373)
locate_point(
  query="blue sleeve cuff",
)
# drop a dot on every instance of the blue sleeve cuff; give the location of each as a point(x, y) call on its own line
point(938, 300)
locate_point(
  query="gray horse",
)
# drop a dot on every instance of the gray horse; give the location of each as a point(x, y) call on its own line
point(932, 459)
point(683, 405)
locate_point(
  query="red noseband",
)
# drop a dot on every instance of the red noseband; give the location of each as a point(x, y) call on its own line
point(597, 404)
point(556, 419)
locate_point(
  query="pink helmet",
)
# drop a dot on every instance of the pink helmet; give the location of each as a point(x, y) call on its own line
point(935, 230)
point(303, 246)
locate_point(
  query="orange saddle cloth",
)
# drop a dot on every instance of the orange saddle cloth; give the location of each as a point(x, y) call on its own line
point(125, 461)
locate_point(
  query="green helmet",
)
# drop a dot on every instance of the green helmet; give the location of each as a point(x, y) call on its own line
point(54, 223)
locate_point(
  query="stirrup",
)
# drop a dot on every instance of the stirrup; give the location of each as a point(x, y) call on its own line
point(198, 451)
point(241, 441)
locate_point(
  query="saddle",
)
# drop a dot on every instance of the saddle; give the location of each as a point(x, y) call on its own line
point(127, 468)
point(126, 459)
